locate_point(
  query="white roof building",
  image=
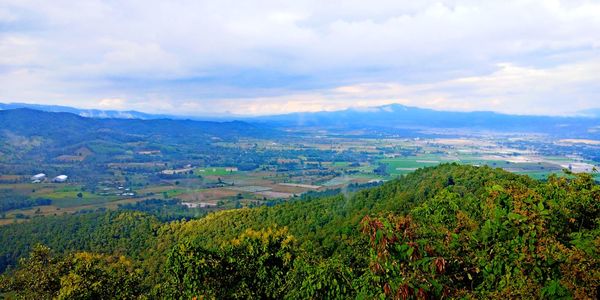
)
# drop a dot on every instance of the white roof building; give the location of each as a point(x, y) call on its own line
point(38, 177)
point(60, 178)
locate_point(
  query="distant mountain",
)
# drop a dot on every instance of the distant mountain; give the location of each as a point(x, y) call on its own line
point(90, 113)
point(120, 114)
point(32, 139)
point(400, 116)
point(388, 118)
point(68, 128)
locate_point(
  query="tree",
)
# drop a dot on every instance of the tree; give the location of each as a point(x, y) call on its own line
point(97, 276)
point(254, 265)
point(38, 276)
point(80, 275)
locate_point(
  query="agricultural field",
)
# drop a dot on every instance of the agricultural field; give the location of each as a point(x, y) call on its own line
point(485, 153)
point(282, 170)
point(215, 171)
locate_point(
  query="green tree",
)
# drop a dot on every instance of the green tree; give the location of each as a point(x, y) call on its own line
point(254, 265)
point(38, 275)
point(80, 275)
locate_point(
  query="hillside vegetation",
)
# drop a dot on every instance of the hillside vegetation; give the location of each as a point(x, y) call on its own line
point(444, 232)
point(31, 140)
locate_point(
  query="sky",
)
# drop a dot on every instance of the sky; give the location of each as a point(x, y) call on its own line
point(258, 57)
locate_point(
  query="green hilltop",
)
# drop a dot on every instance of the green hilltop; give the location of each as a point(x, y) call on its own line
point(449, 231)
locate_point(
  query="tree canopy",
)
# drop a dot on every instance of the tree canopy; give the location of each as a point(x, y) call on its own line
point(450, 231)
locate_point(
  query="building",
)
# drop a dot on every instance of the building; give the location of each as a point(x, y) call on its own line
point(38, 177)
point(60, 178)
point(177, 171)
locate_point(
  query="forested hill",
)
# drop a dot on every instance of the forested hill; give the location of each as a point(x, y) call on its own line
point(68, 128)
point(445, 232)
point(28, 136)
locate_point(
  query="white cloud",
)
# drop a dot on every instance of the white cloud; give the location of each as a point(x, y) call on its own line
point(518, 56)
point(112, 103)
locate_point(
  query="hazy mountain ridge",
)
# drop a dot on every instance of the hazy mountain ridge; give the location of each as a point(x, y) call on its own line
point(400, 116)
point(90, 113)
point(55, 132)
point(382, 117)
point(31, 120)
point(114, 114)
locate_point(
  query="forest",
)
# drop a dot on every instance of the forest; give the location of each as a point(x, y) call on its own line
point(450, 231)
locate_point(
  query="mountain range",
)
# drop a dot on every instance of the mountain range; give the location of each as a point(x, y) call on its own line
point(388, 117)
point(400, 116)
point(62, 128)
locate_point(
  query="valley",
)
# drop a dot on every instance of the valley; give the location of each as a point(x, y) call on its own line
point(169, 205)
point(252, 169)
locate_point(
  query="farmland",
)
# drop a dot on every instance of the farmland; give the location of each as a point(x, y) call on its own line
point(258, 171)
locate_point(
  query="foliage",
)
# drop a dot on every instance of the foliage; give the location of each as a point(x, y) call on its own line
point(444, 232)
point(80, 275)
point(105, 232)
point(254, 265)
point(7, 204)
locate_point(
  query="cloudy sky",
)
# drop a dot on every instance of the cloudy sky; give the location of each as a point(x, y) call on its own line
point(265, 57)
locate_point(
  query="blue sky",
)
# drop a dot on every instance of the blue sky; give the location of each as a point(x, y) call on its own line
point(266, 57)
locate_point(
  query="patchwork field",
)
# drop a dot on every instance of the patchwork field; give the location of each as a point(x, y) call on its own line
point(318, 164)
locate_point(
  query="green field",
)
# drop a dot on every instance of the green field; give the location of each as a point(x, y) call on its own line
point(340, 164)
point(405, 165)
point(338, 181)
point(173, 193)
point(65, 199)
point(213, 171)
